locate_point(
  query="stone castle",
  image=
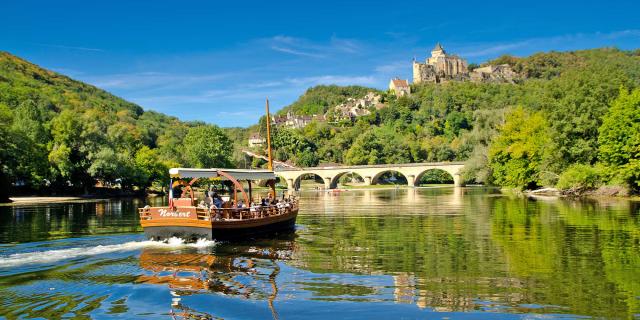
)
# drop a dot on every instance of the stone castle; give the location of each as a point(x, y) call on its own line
point(443, 67)
point(440, 67)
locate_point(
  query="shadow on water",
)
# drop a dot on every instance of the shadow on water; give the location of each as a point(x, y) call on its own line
point(413, 253)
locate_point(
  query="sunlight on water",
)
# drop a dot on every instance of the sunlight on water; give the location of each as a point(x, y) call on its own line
point(437, 253)
point(49, 256)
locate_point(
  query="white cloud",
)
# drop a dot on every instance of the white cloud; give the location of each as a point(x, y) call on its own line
point(59, 46)
point(560, 42)
point(333, 79)
point(297, 52)
point(146, 80)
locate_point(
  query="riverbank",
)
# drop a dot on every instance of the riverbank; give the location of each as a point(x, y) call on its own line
point(603, 192)
point(37, 200)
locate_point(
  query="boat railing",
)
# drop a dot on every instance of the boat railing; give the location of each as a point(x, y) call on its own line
point(233, 214)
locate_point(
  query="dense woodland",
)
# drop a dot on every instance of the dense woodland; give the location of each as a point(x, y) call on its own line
point(572, 121)
point(63, 136)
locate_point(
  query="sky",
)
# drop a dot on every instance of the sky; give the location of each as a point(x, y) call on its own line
point(217, 61)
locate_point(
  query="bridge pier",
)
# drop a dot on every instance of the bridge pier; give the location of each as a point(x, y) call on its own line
point(411, 171)
point(457, 181)
point(327, 182)
point(411, 180)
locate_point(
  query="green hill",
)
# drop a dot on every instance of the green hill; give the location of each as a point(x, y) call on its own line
point(317, 100)
point(62, 135)
point(558, 107)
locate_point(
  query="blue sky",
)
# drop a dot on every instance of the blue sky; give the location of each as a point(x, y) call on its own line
point(216, 61)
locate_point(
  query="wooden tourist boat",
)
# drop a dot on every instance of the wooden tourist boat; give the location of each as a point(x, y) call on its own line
point(239, 216)
point(185, 218)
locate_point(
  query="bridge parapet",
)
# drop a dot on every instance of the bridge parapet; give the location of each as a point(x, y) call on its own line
point(371, 173)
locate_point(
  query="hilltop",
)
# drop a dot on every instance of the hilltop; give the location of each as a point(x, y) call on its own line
point(62, 135)
point(567, 95)
point(555, 126)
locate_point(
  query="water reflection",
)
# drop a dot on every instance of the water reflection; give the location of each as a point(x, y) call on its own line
point(247, 271)
point(409, 253)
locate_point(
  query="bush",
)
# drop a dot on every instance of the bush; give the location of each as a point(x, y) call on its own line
point(580, 177)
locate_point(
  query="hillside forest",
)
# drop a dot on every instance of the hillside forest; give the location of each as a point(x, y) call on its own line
point(572, 120)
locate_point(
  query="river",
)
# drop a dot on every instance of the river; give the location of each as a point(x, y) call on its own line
point(437, 253)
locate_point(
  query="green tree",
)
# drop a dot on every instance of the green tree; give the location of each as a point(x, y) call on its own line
point(619, 137)
point(68, 150)
point(517, 153)
point(207, 146)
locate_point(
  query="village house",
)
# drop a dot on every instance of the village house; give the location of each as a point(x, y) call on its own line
point(353, 108)
point(255, 140)
point(293, 121)
point(399, 87)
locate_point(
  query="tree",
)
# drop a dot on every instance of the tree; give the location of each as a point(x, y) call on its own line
point(517, 153)
point(151, 169)
point(7, 152)
point(206, 146)
point(619, 137)
point(69, 154)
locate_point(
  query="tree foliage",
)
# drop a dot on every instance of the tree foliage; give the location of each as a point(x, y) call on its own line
point(517, 153)
point(63, 135)
point(619, 137)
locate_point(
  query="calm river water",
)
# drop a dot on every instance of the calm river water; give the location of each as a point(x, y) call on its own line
point(440, 253)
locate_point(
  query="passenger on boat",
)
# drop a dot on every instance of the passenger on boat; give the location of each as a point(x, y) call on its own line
point(218, 215)
point(217, 201)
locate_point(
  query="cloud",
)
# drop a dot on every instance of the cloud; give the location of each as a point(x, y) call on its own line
point(150, 80)
point(297, 52)
point(495, 49)
point(313, 49)
point(559, 42)
point(393, 67)
point(68, 47)
point(333, 79)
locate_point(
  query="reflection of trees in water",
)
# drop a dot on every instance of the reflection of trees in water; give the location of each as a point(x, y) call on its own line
point(581, 254)
point(36, 222)
point(224, 272)
point(488, 252)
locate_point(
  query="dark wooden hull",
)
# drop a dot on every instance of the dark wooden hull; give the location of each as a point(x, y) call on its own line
point(223, 230)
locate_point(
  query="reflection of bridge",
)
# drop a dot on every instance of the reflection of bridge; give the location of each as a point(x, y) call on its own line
point(413, 172)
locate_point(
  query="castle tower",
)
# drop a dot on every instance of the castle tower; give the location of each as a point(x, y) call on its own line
point(438, 51)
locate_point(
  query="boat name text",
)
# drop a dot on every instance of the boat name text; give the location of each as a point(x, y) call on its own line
point(173, 214)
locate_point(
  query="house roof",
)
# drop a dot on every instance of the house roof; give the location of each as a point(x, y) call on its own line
point(400, 83)
point(438, 47)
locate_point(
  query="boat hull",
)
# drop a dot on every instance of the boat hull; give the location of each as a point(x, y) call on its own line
point(224, 230)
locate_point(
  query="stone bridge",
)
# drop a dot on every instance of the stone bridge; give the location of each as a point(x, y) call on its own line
point(370, 173)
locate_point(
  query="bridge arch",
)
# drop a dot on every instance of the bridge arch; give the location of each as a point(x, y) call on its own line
point(298, 180)
point(412, 172)
point(438, 174)
point(336, 178)
point(376, 178)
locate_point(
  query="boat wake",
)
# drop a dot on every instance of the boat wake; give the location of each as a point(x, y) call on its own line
point(49, 256)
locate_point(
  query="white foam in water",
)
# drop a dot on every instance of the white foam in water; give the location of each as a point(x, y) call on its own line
point(48, 256)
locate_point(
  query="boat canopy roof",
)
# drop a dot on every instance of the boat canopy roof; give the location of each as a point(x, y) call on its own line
point(238, 174)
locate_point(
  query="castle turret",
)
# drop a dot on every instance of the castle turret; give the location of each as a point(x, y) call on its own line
point(438, 51)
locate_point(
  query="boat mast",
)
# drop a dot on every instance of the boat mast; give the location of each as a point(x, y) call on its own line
point(270, 164)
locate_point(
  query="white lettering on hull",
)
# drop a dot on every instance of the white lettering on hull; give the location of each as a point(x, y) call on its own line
point(173, 214)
